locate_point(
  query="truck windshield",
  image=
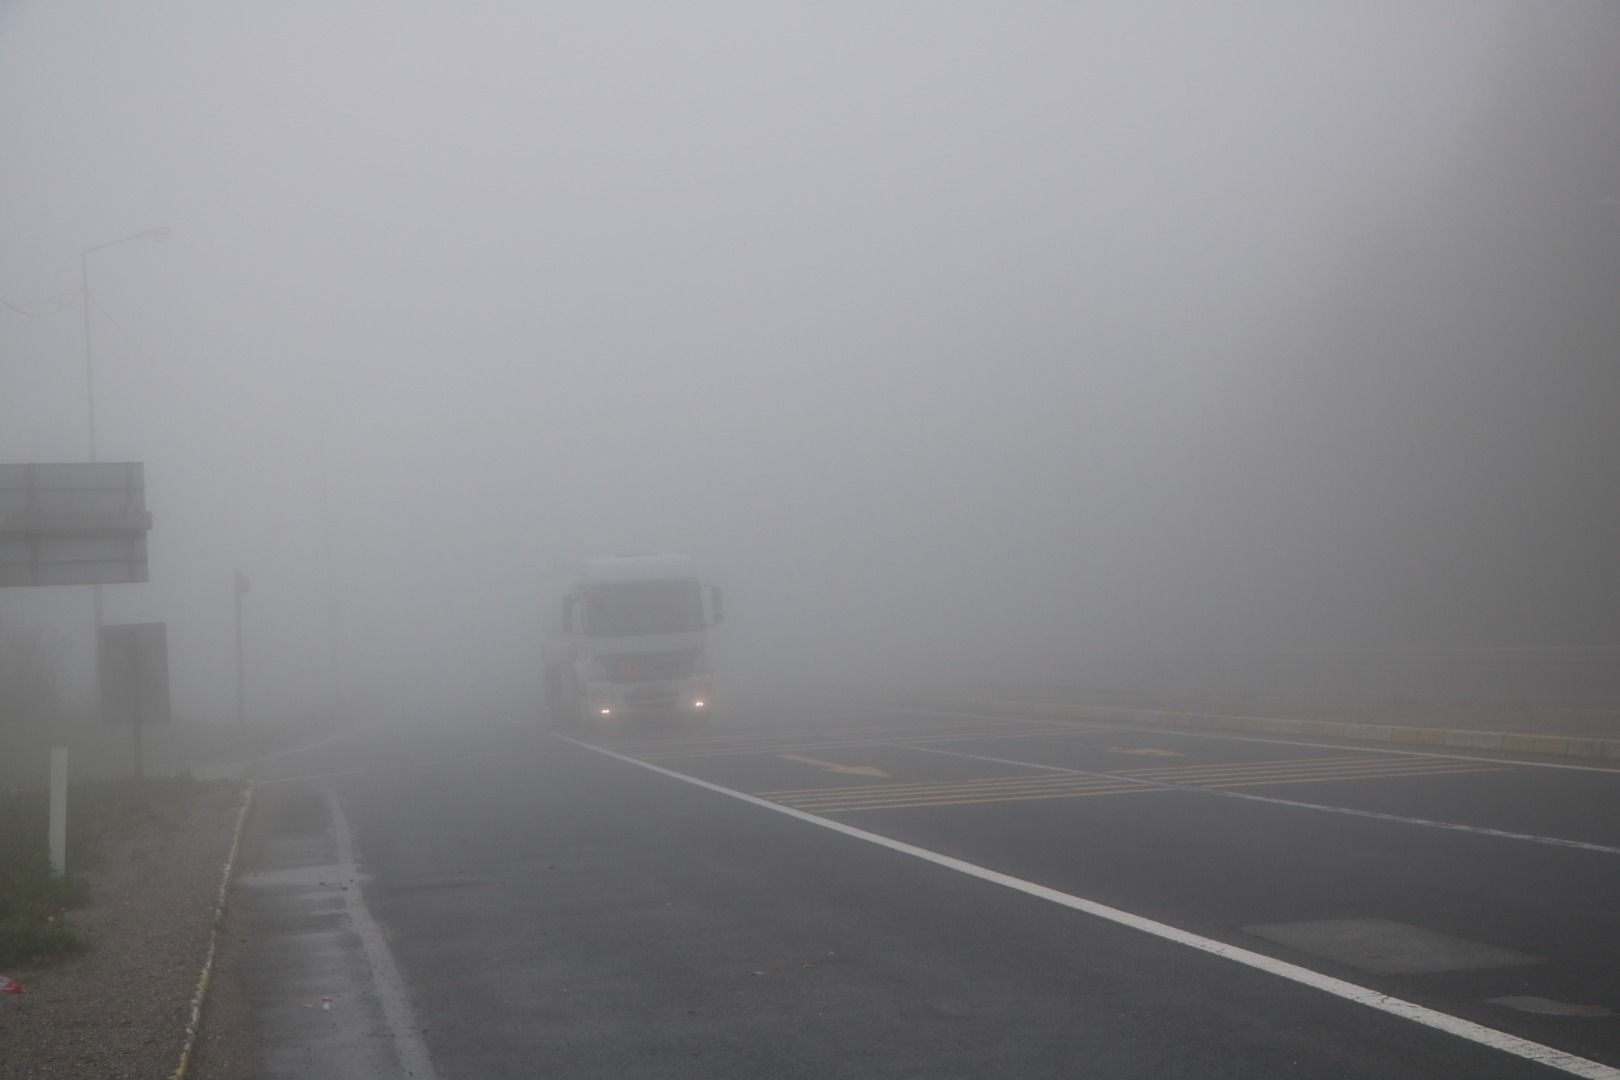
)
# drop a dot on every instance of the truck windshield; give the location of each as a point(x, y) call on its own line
point(643, 607)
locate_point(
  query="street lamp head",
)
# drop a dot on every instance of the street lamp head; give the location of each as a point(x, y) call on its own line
point(160, 234)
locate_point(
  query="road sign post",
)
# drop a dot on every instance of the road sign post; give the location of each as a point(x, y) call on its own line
point(57, 824)
point(241, 683)
point(134, 677)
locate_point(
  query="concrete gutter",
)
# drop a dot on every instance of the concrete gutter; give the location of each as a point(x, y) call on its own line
point(1511, 742)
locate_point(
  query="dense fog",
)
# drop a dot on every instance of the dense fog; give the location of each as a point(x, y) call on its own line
point(998, 342)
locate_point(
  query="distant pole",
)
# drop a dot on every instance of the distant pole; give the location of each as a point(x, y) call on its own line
point(132, 656)
point(97, 617)
point(89, 356)
point(333, 657)
point(57, 823)
point(160, 233)
point(241, 684)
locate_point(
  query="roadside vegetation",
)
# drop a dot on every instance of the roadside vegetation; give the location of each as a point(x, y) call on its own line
point(32, 706)
point(34, 902)
point(34, 930)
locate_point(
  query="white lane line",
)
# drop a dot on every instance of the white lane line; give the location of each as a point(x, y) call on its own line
point(1098, 725)
point(1360, 995)
point(385, 980)
point(1227, 793)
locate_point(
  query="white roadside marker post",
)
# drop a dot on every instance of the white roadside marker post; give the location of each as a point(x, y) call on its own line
point(58, 820)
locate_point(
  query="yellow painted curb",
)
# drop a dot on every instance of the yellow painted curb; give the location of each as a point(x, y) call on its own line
point(1427, 736)
point(195, 1023)
point(1536, 744)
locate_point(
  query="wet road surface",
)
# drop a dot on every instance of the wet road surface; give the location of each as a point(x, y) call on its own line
point(819, 890)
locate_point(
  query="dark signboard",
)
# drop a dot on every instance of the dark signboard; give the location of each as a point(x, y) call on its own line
point(73, 523)
point(135, 674)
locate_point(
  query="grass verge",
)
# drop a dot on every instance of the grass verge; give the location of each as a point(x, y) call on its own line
point(34, 930)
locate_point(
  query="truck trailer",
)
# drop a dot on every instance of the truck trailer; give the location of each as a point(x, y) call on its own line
point(632, 641)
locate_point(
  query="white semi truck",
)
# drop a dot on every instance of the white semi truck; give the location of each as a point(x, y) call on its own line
point(632, 641)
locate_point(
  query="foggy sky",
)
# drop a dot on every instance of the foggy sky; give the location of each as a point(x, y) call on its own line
point(952, 339)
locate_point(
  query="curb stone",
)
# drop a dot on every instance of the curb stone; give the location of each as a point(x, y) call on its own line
point(195, 1023)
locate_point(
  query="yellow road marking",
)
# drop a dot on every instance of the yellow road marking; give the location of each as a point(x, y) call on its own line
point(1010, 785)
point(1042, 779)
point(849, 742)
point(1133, 789)
point(1070, 785)
point(1282, 771)
point(832, 766)
point(1223, 766)
point(1322, 779)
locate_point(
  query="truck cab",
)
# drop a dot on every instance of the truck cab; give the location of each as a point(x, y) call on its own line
point(633, 641)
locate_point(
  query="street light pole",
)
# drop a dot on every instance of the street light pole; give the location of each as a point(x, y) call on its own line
point(89, 357)
point(241, 679)
point(160, 233)
point(334, 657)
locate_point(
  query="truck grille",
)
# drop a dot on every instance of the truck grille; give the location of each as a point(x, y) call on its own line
point(648, 666)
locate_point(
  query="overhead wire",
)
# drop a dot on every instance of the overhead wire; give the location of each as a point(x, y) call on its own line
point(128, 337)
point(60, 304)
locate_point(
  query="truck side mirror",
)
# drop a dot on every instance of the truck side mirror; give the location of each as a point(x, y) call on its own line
point(716, 604)
point(568, 604)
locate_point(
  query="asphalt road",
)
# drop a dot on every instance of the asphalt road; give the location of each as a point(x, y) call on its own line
point(840, 891)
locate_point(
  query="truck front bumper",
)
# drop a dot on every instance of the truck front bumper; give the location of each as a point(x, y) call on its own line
point(604, 700)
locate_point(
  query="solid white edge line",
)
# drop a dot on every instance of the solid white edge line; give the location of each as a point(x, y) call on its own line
point(1361, 995)
point(409, 1048)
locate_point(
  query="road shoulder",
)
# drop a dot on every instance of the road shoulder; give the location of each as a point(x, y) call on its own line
point(123, 1007)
